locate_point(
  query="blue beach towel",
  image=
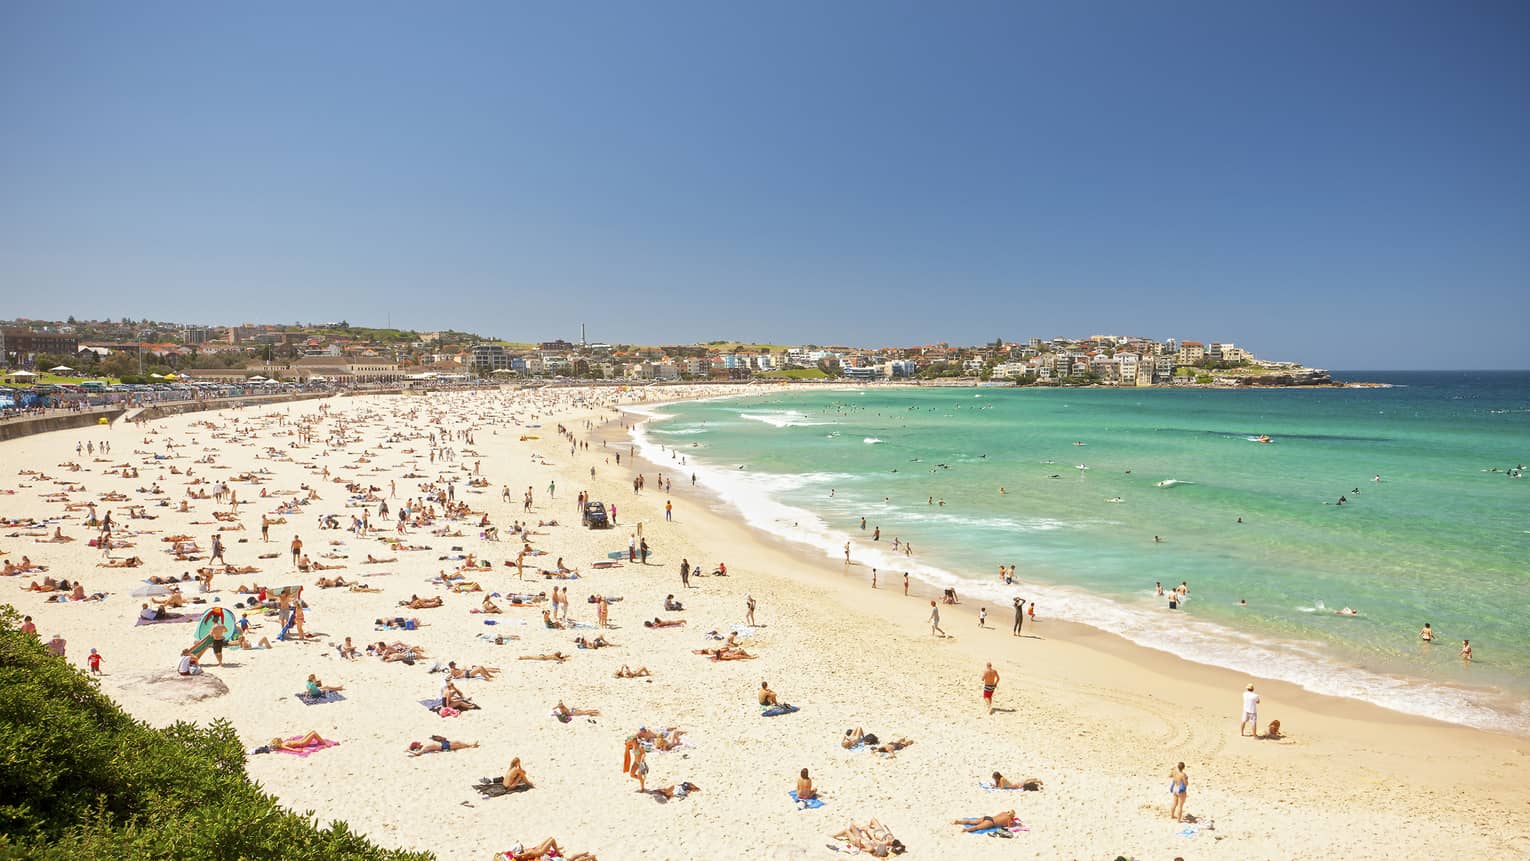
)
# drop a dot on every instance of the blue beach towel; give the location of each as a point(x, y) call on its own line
point(812, 803)
point(776, 711)
point(988, 787)
point(315, 701)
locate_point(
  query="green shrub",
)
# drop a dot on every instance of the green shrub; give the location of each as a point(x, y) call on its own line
point(81, 779)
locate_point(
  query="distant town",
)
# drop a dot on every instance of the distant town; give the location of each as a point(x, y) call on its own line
point(141, 351)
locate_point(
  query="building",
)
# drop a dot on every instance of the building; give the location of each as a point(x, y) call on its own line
point(488, 358)
point(1191, 353)
point(21, 346)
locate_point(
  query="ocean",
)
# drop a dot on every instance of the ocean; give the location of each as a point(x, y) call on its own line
point(1090, 476)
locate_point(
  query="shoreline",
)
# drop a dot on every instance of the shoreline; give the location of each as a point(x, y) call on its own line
point(1484, 707)
point(1098, 727)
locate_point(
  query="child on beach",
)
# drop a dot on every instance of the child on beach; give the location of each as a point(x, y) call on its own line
point(94, 659)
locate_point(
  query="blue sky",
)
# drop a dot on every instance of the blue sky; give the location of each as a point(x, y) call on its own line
point(1342, 183)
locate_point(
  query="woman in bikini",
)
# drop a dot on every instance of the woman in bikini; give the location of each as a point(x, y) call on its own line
point(307, 740)
point(515, 776)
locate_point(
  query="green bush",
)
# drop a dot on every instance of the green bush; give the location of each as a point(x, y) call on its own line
point(81, 779)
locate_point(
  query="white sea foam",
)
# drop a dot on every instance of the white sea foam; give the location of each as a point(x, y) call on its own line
point(782, 419)
point(1307, 664)
point(871, 440)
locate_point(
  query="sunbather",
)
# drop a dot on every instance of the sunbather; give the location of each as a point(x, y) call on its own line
point(1031, 784)
point(680, 790)
point(1003, 819)
point(307, 740)
point(516, 776)
point(625, 673)
point(555, 656)
point(664, 623)
point(485, 673)
point(874, 838)
point(438, 744)
point(566, 714)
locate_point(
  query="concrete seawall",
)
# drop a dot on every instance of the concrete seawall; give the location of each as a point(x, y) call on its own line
point(15, 428)
point(20, 427)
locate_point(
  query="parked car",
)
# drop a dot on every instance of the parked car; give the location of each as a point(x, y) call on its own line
point(594, 516)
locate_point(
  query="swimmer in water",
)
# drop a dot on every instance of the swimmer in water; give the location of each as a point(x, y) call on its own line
point(1427, 635)
point(1346, 612)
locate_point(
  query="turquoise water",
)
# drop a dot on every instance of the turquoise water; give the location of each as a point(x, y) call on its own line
point(1440, 538)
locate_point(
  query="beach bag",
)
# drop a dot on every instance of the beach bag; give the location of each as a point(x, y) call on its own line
point(448, 711)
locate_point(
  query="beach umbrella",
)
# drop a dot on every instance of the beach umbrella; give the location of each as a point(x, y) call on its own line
point(169, 376)
point(257, 378)
point(22, 374)
point(60, 369)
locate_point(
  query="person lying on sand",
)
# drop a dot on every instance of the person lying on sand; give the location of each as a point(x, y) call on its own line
point(307, 740)
point(320, 566)
point(357, 587)
point(874, 838)
point(725, 654)
point(1003, 819)
point(893, 746)
point(555, 656)
point(625, 673)
point(476, 671)
point(373, 560)
point(566, 714)
point(438, 744)
point(1029, 784)
point(664, 623)
point(546, 849)
point(332, 582)
point(174, 599)
point(680, 790)
point(597, 643)
point(415, 602)
point(470, 586)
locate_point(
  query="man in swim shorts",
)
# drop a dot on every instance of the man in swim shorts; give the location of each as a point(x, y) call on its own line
point(990, 682)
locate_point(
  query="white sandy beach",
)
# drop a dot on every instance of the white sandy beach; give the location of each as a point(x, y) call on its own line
point(1098, 720)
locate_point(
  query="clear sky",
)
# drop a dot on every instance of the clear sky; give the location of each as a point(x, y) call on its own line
point(1346, 183)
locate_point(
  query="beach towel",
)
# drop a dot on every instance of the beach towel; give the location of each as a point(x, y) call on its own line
point(989, 787)
point(810, 804)
point(168, 620)
point(314, 701)
point(1189, 831)
point(776, 711)
point(308, 751)
point(494, 787)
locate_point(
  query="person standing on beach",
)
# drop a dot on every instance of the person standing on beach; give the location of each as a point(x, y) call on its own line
point(847, 554)
point(685, 573)
point(905, 584)
point(669, 510)
point(982, 617)
point(1019, 616)
point(297, 550)
point(749, 609)
point(935, 630)
point(1250, 712)
point(1179, 787)
point(265, 528)
point(990, 682)
point(873, 578)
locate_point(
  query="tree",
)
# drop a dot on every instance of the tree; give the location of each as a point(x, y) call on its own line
point(118, 365)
